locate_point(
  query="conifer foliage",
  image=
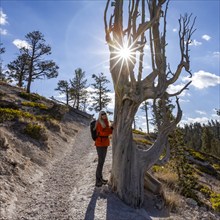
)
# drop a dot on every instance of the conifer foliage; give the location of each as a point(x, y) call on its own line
point(31, 63)
point(74, 90)
point(203, 137)
point(100, 97)
point(78, 84)
point(2, 50)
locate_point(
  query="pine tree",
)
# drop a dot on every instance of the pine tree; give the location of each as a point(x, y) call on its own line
point(65, 88)
point(157, 112)
point(186, 178)
point(206, 140)
point(100, 97)
point(145, 108)
point(78, 85)
point(38, 66)
point(18, 69)
point(2, 50)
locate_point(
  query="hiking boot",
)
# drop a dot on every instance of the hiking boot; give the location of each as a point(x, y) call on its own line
point(98, 184)
point(104, 181)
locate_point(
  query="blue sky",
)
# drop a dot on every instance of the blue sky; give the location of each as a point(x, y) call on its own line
point(75, 31)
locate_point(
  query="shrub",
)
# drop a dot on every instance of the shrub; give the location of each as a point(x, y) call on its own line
point(7, 114)
point(142, 141)
point(216, 167)
point(215, 201)
point(35, 131)
point(30, 97)
point(34, 104)
point(197, 155)
point(206, 191)
point(58, 111)
point(53, 125)
point(138, 132)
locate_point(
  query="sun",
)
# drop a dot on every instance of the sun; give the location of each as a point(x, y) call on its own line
point(125, 52)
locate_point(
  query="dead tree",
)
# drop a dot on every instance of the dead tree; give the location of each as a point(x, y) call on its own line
point(126, 47)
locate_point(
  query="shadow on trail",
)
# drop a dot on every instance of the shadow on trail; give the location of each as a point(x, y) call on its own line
point(106, 205)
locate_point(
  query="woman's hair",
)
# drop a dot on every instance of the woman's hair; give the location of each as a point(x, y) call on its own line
point(100, 120)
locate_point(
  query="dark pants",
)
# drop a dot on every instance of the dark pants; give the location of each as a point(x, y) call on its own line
point(101, 151)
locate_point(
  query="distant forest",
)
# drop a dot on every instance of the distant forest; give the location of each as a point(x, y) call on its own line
point(203, 137)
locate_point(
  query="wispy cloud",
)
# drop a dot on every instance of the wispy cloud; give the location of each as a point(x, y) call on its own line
point(200, 112)
point(3, 21)
point(3, 18)
point(216, 54)
point(3, 31)
point(21, 43)
point(195, 43)
point(201, 120)
point(176, 88)
point(206, 37)
point(203, 79)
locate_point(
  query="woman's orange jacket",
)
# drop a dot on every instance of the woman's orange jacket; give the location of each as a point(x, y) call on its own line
point(103, 135)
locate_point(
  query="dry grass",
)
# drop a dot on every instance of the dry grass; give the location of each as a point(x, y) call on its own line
point(167, 176)
point(172, 199)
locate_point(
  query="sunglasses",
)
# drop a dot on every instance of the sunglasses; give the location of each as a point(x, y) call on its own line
point(103, 114)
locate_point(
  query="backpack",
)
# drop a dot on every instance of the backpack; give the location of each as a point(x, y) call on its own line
point(93, 130)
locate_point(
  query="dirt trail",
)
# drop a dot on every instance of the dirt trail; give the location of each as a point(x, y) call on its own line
point(50, 198)
point(67, 192)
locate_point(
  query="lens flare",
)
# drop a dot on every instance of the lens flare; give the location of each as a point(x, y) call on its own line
point(125, 52)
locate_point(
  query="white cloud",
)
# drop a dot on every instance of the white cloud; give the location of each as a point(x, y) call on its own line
point(174, 29)
point(176, 88)
point(203, 79)
point(184, 100)
point(111, 105)
point(195, 43)
point(202, 120)
point(200, 112)
point(3, 21)
point(3, 31)
point(3, 18)
point(216, 54)
point(206, 37)
point(21, 43)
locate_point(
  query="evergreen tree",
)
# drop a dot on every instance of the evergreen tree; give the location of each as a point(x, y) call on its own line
point(78, 84)
point(158, 112)
point(18, 69)
point(145, 108)
point(100, 97)
point(203, 138)
point(218, 112)
point(186, 179)
point(38, 67)
point(2, 50)
point(206, 140)
point(65, 88)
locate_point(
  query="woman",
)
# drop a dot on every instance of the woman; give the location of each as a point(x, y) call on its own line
point(102, 142)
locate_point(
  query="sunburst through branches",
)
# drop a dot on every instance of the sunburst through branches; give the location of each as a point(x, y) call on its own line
point(124, 54)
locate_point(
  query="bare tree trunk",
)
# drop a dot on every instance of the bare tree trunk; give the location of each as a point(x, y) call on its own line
point(29, 85)
point(127, 176)
point(130, 162)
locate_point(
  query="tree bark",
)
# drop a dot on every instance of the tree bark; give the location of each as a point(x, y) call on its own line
point(130, 162)
point(126, 178)
point(29, 85)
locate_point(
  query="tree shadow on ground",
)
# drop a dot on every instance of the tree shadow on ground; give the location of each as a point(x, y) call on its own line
point(106, 205)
